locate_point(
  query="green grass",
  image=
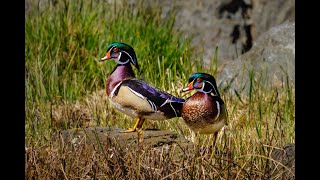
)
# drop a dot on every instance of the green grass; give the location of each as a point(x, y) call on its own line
point(62, 48)
point(65, 82)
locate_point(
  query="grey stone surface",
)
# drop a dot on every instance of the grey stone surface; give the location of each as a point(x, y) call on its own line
point(285, 156)
point(230, 25)
point(273, 54)
point(270, 13)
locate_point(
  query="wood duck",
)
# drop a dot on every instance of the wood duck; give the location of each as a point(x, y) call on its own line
point(204, 112)
point(135, 97)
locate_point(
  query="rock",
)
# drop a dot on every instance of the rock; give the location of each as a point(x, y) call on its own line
point(273, 54)
point(267, 14)
point(232, 26)
point(148, 138)
point(286, 157)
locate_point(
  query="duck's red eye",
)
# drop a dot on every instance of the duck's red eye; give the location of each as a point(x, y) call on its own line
point(115, 49)
point(199, 80)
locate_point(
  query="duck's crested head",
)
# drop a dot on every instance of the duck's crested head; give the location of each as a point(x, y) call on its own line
point(202, 82)
point(122, 53)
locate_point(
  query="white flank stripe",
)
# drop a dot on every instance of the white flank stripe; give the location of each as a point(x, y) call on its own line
point(167, 101)
point(218, 106)
point(114, 89)
point(136, 93)
point(153, 106)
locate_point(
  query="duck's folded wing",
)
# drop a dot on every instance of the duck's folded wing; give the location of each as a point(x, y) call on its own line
point(138, 93)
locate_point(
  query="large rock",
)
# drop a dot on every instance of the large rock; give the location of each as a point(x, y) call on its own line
point(267, 14)
point(231, 25)
point(273, 54)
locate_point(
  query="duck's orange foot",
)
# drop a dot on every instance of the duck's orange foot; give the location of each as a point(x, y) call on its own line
point(130, 130)
point(136, 127)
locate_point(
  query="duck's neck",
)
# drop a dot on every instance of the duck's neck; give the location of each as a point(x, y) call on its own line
point(201, 96)
point(119, 73)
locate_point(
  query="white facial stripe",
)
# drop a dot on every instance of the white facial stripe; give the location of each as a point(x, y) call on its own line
point(218, 107)
point(202, 89)
point(118, 59)
point(129, 56)
point(216, 92)
point(112, 47)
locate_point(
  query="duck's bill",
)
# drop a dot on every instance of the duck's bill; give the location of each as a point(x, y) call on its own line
point(185, 89)
point(106, 57)
point(189, 88)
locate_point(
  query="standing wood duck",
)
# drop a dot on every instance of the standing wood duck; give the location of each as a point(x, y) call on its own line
point(204, 112)
point(135, 97)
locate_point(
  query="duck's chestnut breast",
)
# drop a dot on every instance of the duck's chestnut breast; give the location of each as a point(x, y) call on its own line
point(199, 107)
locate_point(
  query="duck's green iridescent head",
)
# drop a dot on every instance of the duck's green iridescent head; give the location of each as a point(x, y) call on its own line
point(122, 53)
point(202, 82)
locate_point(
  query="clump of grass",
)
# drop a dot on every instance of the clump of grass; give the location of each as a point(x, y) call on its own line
point(64, 89)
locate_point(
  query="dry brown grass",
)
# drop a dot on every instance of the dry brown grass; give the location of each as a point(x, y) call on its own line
point(82, 113)
point(241, 153)
point(65, 161)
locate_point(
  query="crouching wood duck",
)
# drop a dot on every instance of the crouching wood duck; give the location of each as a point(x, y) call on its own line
point(135, 97)
point(204, 112)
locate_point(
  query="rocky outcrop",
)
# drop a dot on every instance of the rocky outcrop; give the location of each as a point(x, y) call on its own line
point(232, 26)
point(272, 55)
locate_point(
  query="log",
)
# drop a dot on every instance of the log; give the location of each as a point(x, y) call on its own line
point(107, 136)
